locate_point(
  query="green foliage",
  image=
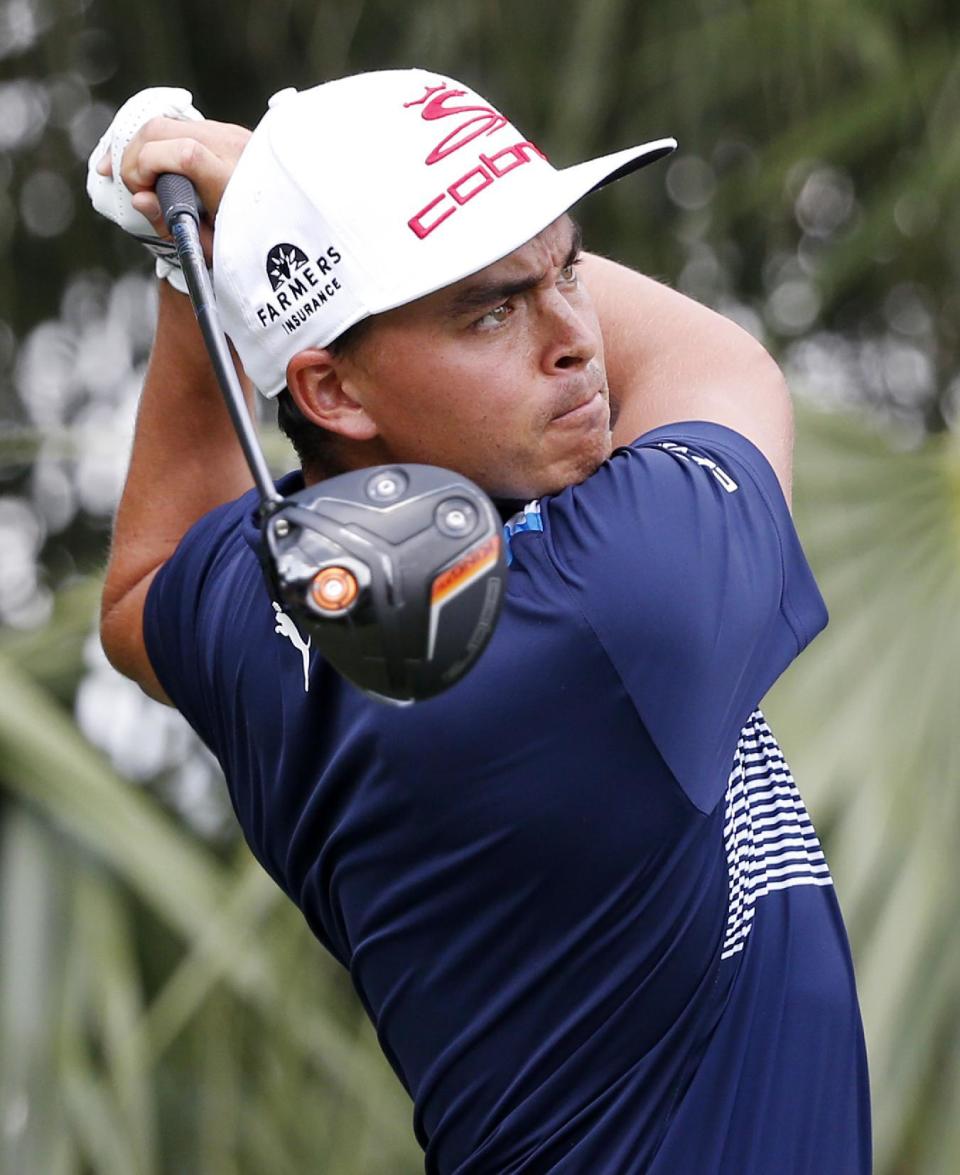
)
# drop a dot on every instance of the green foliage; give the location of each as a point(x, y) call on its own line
point(212, 1064)
point(867, 718)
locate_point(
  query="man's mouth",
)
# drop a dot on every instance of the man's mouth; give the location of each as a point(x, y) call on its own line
point(583, 410)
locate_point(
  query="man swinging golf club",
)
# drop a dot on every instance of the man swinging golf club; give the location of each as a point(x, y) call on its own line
point(578, 893)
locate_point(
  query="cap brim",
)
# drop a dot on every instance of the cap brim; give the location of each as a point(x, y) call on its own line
point(597, 173)
point(517, 221)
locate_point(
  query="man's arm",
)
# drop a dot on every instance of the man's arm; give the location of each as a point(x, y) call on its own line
point(669, 358)
point(186, 458)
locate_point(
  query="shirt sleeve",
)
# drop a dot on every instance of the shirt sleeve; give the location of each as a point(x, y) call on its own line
point(681, 554)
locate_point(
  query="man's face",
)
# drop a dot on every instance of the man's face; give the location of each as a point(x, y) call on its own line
point(499, 376)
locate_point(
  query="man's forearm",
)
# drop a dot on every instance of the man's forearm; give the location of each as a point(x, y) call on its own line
point(185, 460)
point(669, 358)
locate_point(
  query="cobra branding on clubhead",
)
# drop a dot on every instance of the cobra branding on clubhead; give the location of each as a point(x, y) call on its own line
point(397, 571)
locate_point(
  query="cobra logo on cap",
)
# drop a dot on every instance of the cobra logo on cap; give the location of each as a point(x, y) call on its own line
point(475, 120)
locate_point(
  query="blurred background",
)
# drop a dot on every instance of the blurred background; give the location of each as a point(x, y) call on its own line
point(161, 1008)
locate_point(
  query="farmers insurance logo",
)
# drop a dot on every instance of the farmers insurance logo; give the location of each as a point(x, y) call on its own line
point(300, 286)
point(473, 121)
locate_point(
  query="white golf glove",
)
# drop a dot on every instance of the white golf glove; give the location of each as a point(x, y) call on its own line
point(108, 193)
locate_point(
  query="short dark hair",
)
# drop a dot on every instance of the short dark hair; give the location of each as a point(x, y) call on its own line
point(317, 448)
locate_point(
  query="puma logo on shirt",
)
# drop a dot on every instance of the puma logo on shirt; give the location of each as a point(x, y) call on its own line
point(286, 627)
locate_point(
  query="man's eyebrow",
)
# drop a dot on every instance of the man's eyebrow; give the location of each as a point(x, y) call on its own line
point(493, 293)
point(490, 294)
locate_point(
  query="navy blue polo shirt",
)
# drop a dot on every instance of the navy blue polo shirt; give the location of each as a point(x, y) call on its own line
point(579, 894)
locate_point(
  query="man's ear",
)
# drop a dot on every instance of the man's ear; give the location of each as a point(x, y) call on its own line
point(316, 383)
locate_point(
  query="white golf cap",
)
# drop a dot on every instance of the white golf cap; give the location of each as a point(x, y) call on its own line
point(366, 193)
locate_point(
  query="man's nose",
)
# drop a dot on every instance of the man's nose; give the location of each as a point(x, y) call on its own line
point(571, 337)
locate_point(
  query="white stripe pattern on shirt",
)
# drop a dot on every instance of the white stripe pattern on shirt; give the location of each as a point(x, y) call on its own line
point(770, 841)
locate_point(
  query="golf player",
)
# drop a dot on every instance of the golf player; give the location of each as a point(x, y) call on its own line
point(578, 894)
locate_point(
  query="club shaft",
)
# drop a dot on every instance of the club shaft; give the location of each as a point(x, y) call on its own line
point(186, 236)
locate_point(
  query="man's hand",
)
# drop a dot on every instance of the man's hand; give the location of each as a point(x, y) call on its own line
point(160, 130)
point(110, 197)
point(206, 152)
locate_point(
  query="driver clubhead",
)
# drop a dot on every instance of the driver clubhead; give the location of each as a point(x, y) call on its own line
point(398, 573)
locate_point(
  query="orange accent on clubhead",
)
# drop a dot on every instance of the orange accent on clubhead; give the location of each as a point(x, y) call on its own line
point(476, 561)
point(334, 588)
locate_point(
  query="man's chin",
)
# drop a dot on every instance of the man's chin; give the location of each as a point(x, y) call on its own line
point(588, 461)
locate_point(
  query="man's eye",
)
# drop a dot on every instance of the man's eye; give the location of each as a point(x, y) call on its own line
point(569, 275)
point(496, 316)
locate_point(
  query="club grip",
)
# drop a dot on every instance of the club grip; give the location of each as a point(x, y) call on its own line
point(177, 195)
